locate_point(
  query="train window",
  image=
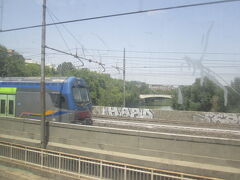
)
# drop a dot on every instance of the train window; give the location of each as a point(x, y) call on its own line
point(58, 100)
point(76, 94)
point(3, 108)
point(10, 107)
point(80, 94)
point(84, 94)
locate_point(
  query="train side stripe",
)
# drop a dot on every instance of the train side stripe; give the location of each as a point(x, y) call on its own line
point(47, 113)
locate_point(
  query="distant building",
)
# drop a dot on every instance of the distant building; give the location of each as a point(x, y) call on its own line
point(52, 66)
point(30, 61)
point(160, 87)
point(10, 51)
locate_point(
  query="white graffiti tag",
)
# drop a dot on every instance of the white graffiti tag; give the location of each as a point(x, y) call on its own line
point(127, 112)
point(222, 118)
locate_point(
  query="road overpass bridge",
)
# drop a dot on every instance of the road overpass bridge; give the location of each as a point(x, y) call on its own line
point(146, 96)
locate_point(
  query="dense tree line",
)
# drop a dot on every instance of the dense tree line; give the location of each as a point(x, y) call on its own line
point(208, 97)
point(13, 64)
point(234, 96)
point(104, 90)
point(107, 91)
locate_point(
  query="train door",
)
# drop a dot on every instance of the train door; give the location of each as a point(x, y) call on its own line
point(11, 105)
point(7, 105)
point(3, 105)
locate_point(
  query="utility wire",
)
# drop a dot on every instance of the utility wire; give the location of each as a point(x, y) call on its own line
point(156, 52)
point(160, 67)
point(132, 58)
point(153, 59)
point(170, 73)
point(166, 59)
point(158, 58)
point(124, 14)
point(166, 52)
point(1, 18)
point(65, 42)
point(78, 57)
point(67, 30)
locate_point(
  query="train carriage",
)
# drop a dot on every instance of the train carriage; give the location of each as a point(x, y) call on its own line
point(67, 99)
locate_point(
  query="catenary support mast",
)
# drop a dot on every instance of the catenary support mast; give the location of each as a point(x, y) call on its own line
point(42, 91)
point(124, 76)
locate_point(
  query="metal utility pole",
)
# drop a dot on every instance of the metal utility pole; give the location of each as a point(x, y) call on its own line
point(42, 91)
point(124, 75)
point(1, 20)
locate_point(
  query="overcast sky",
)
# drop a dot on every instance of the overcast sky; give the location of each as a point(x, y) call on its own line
point(156, 43)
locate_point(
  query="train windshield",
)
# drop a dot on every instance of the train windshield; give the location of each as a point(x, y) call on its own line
point(80, 94)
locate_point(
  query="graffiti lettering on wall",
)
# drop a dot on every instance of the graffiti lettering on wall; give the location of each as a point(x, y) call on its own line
point(219, 118)
point(127, 112)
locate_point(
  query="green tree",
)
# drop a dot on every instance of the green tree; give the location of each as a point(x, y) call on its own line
point(206, 97)
point(65, 68)
point(33, 70)
point(234, 96)
point(12, 63)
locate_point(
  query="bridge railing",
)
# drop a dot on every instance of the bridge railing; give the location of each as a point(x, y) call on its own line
point(81, 166)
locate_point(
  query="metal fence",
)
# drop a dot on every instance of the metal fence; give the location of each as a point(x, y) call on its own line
point(87, 167)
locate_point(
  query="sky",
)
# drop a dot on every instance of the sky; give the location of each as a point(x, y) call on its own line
point(156, 44)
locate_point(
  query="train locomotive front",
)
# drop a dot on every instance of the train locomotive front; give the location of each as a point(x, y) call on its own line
point(67, 99)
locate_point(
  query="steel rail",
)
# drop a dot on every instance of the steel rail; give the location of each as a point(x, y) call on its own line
point(157, 125)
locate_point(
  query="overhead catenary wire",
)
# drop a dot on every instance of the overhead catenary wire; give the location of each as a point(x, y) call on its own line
point(1, 14)
point(153, 52)
point(166, 71)
point(209, 62)
point(164, 64)
point(61, 35)
point(124, 14)
point(166, 59)
point(75, 56)
point(78, 57)
point(162, 67)
point(68, 31)
point(170, 73)
point(71, 34)
point(165, 52)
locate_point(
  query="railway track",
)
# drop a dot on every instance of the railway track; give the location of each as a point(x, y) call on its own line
point(174, 122)
point(168, 128)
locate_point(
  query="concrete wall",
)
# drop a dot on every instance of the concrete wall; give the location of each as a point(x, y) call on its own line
point(195, 116)
point(159, 150)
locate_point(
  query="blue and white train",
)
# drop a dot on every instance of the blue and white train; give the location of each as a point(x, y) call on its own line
point(67, 99)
